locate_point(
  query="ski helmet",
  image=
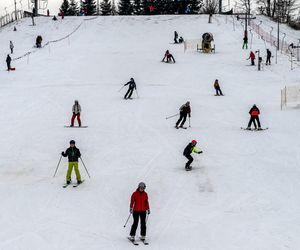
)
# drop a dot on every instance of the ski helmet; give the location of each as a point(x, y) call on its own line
point(142, 185)
point(194, 141)
point(72, 142)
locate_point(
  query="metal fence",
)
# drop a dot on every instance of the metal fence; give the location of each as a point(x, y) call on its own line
point(9, 18)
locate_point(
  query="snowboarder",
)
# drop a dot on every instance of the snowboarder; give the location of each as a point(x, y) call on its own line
point(217, 87)
point(132, 86)
point(168, 56)
point(139, 208)
point(184, 110)
point(245, 42)
point(180, 40)
point(252, 57)
point(189, 149)
point(175, 37)
point(76, 109)
point(11, 46)
point(8, 61)
point(73, 154)
point(254, 113)
point(38, 42)
point(269, 54)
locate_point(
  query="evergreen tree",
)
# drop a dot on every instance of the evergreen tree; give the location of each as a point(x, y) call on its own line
point(125, 7)
point(195, 6)
point(65, 6)
point(137, 7)
point(89, 7)
point(113, 8)
point(105, 7)
point(73, 10)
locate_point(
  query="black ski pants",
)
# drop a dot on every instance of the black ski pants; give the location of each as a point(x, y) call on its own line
point(181, 119)
point(252, 62)
point(136, 215)
point(129, 93)
point(8, 65)
point(190, 160)
point(254, 119)
point(268, 60)
point(219, 91)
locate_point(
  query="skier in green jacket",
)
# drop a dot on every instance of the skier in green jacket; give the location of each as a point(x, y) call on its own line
point(73, 154)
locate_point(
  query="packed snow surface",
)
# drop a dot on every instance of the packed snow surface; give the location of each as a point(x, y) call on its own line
point(244, 190)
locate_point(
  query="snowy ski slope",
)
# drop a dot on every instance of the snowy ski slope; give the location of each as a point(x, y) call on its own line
point(243, 192)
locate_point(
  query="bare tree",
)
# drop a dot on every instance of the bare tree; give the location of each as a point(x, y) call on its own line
point(210, 7)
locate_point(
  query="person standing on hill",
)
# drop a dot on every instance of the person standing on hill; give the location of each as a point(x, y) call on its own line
point(8, 62)
point(76, 109)
point(252, 57)
point(132, 86)
point(254, 113)
point(217, 87)
point(185, 110)
point(11, 46)
point(73, 154)
point(245, 42)
point(269, 54)
point(139, 208)
point(189, 149)
point(169, 57)
point(175, 37)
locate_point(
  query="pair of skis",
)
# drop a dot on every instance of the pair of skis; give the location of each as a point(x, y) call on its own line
point(254, 129)
point(74, 185)
point(133, 241)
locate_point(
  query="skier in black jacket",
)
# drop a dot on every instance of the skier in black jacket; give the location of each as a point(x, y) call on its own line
point(189, 149)
point(132, 86)
point(8, 61)
point(269, 54)
point(185, 110)
point(73, 154)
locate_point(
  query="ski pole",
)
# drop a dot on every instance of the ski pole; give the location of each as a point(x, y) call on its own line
point(137, 94)
point(168, 117)
point(121, 88)
point(127, 220)
point(85, 168)
point(57, 166)
point(147, 218)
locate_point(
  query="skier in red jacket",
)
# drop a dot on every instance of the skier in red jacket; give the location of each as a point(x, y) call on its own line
point(139, 207)
point(254, 113)
point(252, 57)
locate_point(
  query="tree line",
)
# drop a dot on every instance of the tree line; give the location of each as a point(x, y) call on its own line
point(131, 7)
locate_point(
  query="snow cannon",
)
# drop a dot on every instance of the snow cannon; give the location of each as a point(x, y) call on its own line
point(206, 45)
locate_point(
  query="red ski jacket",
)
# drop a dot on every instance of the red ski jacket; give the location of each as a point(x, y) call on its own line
point(252, 55)
point(139, 201)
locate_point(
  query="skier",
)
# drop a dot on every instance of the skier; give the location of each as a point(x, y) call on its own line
point(175, 37)
point(189, 149)
point(252, 57)
point(245, 42)
point(132, 86)
point(269, 54)
point(76, 109)
point(217, 87)
point(139, 208)
point(48, 12)
point(11, 46)
point(168, 56)
point(185, 110)
point(254, 113)
point(73, 154)
point(8, 61)
point(54, 18)
point(180, 40)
